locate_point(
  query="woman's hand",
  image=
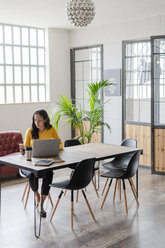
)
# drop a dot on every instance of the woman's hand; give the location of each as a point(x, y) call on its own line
point(22, 149)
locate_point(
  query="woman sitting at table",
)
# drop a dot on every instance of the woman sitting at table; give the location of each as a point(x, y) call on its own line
point(41, 129)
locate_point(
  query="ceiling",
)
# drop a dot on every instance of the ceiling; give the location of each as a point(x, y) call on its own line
point(51, 13)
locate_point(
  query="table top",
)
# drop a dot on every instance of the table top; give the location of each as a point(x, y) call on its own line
point(70, 155)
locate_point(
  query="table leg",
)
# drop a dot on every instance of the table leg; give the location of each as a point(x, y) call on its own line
point(35, 221)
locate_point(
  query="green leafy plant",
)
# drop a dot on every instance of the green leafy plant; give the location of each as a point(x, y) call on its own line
point(77, 117)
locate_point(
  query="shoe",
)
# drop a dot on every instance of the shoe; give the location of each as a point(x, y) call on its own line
point(43, 214)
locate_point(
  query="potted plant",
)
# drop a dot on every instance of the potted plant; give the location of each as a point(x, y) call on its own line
point(78, 117)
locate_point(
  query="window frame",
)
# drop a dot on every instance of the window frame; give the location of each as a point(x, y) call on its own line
point(21, 66)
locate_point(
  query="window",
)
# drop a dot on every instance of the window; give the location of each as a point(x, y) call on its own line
point(137, 81)
point(22, 64)
point(87, 65)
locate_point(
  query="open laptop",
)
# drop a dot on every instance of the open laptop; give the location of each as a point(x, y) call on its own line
point(45, 148)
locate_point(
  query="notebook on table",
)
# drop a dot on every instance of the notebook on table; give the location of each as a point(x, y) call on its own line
point(45, 148)
point(48, 162)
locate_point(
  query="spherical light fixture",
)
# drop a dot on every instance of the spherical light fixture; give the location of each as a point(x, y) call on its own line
point(80, 12)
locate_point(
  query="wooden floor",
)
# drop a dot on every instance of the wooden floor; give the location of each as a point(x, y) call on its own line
point(143, 227)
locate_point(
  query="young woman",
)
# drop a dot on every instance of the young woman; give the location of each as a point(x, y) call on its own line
point(41, 129)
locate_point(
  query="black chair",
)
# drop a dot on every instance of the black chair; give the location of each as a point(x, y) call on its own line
point(121, 161)
point(75, 142)
point(82, 176)
point(122, 174)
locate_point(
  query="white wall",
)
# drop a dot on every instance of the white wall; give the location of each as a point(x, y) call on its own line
point(18, 116)
point(111, 36)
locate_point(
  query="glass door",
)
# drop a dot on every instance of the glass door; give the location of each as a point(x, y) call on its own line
point(86, 67)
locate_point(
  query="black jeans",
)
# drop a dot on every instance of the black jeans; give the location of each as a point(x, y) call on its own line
point(33, 181)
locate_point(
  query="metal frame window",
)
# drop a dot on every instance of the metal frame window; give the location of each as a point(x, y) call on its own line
point(22, 64)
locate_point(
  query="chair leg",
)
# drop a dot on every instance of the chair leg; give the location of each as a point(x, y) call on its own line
point(27, 197)
point(105, 186)
point(119, 184)
point(50, 198)
point(94, 185)
point(88, 205)
point(72, 208)
point(65, 192)
point(59, 197)
point(25, 190)
point(124, 190)
point(106, 193)
point(114, 194)
point(134, 187)
point(77, 196)
point(133, 191)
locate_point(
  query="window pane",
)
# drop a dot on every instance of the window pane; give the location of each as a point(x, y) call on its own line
point(1, 55)
point(25, 55)
point(8, 36)
point(41, 75)
point(41, 93)
point(2, 94)
point(33, 40)
point(34, 93)
point(41, 56)
point(33, 75)
point(16, 35)
point(9, 74)
point(26, 95)
point(33, 56)
point(25, 40)
point(17, 74)
point(26, 75)
point(40, 38)
point(17, 55)
point(1, 34)
point(1, 75)
point(9, 94)
point(8, 55)
point(18, 94)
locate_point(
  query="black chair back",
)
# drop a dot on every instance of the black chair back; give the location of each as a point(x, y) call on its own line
point(133, 165)
point(124, 159)
point(129, 142)
point(82, 175)
point(71, 142)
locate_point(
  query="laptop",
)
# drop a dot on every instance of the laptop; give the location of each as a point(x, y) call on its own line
point(45, 147)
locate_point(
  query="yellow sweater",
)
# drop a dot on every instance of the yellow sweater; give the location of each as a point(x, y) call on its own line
point(47, 134)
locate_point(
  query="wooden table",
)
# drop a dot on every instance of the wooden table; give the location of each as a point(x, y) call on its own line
point(71, 156)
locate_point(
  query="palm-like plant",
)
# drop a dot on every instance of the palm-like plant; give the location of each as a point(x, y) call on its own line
point(77, 117)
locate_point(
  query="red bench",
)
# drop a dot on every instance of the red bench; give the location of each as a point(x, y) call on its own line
point(9, 143)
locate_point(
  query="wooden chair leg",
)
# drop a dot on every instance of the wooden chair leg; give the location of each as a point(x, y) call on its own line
point(72, 208)
point(77, 195)
point(114, 194)
point(50, 198)
point(65, 192)
point(133, 186)
point(59, 197)
point(25, 190)
point(119, 183)
point(95, 188)
point(106, 193)
point(105, 186)
point(125, 197)
point(133, 191)
point(88, 205)
point(27, 197)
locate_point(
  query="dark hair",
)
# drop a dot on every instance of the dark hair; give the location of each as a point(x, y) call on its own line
point(34, 129)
